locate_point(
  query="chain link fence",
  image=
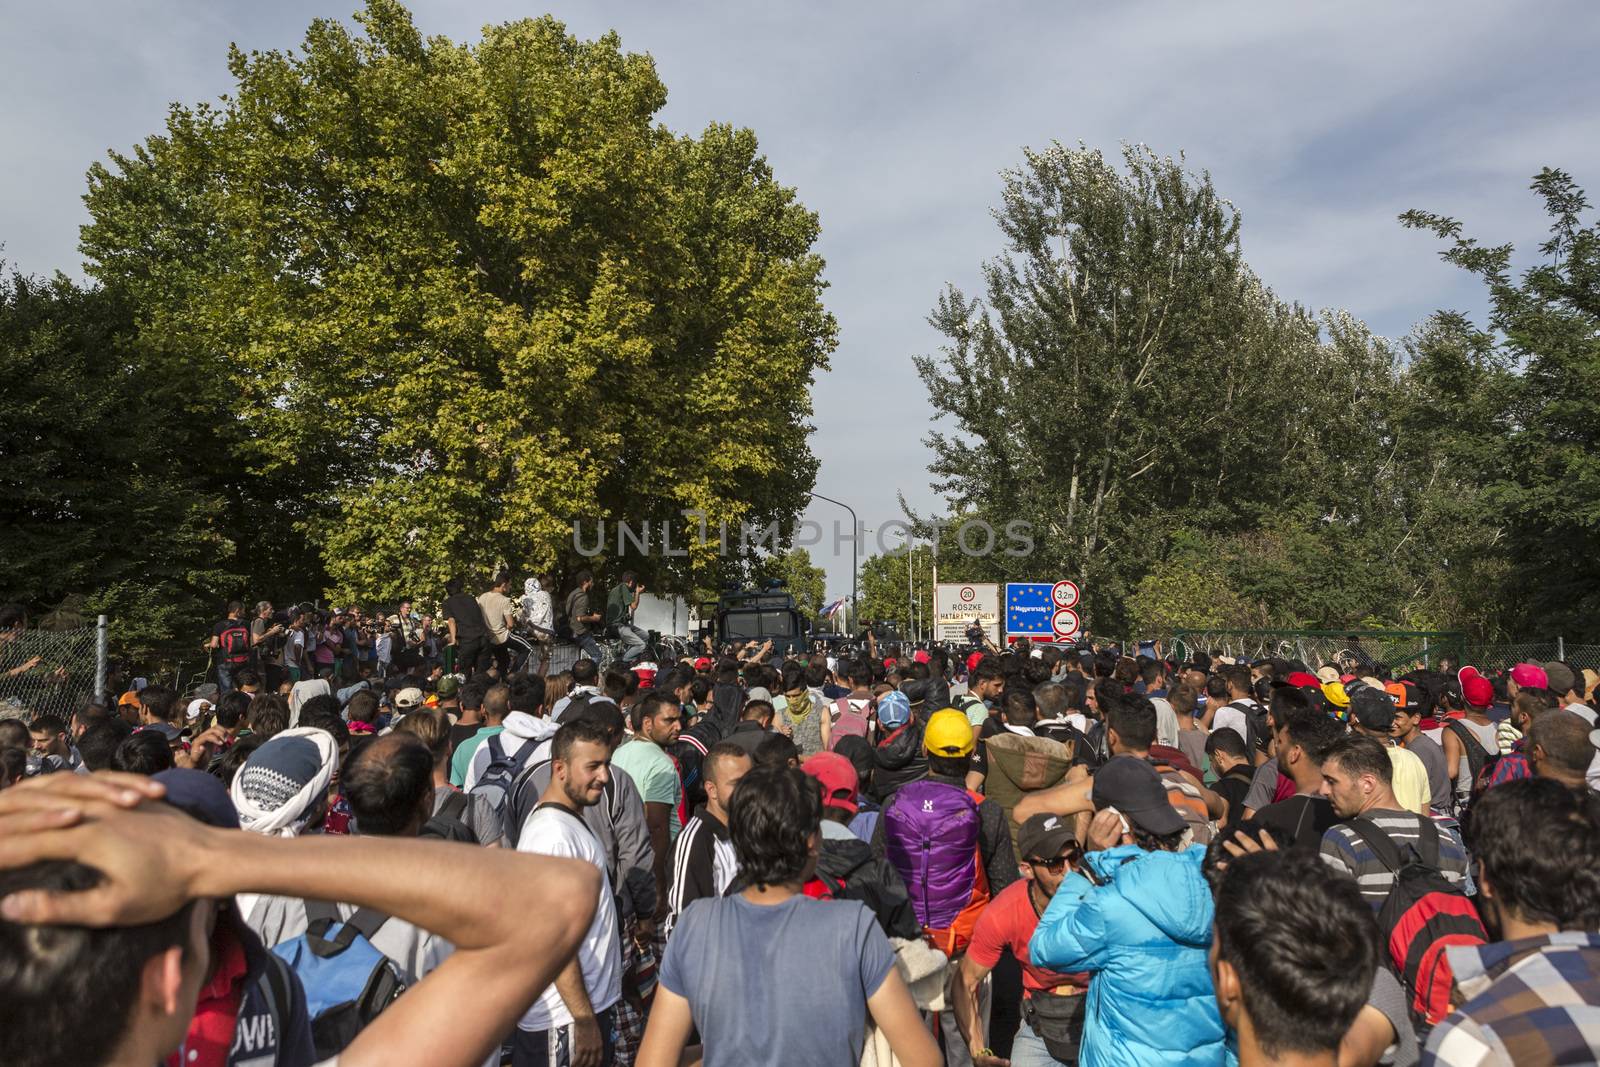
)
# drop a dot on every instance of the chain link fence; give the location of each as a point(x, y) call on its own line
point(48, 671)
point(1501, 656)
point(1399, 650)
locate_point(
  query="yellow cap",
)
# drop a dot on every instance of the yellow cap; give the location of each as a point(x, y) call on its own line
point(1336, 694)
point(948, 734)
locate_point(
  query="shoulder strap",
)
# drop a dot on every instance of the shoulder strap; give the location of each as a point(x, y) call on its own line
point(319, 910)
point(520, 759)
point(1476, 753)
point(1381, 844)
point(275, 983)
point(558, 806)
point(453, 807)
point(497, 751)
point(367, 922)
point(1428, 842)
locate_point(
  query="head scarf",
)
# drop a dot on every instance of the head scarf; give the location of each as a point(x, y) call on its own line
point(282, 783)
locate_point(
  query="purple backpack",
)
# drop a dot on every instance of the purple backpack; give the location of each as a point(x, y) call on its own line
point(930, 832)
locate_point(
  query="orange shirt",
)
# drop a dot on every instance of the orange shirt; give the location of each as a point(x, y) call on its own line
point(1009, 922)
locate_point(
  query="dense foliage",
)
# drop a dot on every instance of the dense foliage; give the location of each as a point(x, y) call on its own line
point(1198, 453)
point(459, 296)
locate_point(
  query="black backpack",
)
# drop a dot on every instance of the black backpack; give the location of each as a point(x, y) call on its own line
point(446, 824)
point(1477, 755)
point(1255, 721)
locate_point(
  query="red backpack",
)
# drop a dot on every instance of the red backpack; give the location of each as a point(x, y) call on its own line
point(234, 643)
point(1422, 916)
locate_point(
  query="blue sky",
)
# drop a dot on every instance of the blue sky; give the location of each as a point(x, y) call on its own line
point(1321, 123)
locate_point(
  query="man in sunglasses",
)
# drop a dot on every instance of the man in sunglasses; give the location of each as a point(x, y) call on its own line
point(1052, 1010)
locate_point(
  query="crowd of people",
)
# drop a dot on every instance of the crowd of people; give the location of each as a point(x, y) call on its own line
point(1047, 854)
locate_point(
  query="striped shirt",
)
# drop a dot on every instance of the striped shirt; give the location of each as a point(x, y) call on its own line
point(703, 864)
point(1345, 850)
point(1529, 1002)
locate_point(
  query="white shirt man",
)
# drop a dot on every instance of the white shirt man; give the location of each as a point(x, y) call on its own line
point(573, 1014)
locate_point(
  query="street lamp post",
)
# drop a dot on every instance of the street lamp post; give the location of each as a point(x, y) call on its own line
point(855, 548)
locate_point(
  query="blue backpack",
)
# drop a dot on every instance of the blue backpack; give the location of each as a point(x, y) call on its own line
point(347, 981)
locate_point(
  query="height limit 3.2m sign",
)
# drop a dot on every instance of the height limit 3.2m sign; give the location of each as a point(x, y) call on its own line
point(1042, 611)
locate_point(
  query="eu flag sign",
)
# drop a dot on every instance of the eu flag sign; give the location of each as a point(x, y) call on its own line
point(1029, 608)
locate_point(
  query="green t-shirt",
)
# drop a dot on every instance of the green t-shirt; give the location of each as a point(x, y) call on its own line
point(653, 771)
point(461, 762)
point(618, 601)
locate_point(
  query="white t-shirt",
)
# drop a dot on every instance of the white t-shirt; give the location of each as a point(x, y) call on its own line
point(552, 832)
point(1233, 718)
point(1166, 722)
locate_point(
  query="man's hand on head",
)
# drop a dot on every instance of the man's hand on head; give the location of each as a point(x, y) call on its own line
point(147, 853)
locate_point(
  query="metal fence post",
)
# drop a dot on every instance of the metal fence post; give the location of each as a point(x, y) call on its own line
point(1561, 648)
point(102, 655)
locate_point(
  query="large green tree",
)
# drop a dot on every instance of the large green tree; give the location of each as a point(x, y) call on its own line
point(1522, 413)
point(102, 510)
point(1125, 375)
point(460, 296)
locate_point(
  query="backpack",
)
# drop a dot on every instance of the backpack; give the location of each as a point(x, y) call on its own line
point(931, 836)
point(1187, 801)
point(576, 704)
point(848, 723)
point(494, 785)
point(968, 702)
point(1422, 916)
point(347, 981)
point(446, 824)
point(234, 644)
point(1255, 725)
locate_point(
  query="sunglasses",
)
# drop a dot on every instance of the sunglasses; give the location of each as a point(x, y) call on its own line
point(1057, 865)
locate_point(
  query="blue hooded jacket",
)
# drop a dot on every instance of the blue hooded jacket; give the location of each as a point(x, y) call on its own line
point(1144, 935)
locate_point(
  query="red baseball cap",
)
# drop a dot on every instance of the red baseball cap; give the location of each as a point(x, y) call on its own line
point(703, 663)
point(838, 778)
point(1476, 690)
point(920, 656)
point(973, 661)
point(1302, 680)
point(890, 663)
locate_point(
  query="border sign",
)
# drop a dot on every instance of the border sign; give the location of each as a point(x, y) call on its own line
point(1028, 610)
point(955, 605)
point(1043, 611)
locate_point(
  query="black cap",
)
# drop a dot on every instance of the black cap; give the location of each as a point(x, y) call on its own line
point(1132, 786)
point(1043, 837)
point(1371, 707)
